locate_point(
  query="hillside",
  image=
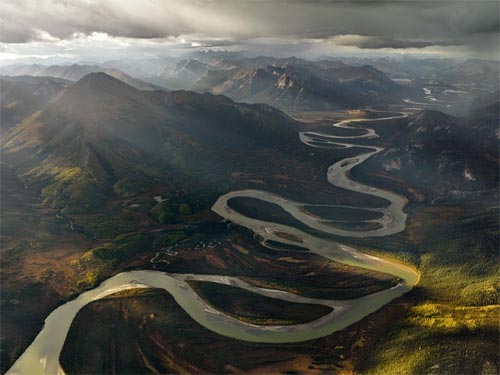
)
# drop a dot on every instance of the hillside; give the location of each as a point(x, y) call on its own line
point(21, 96)
point(482, 73)
point(447, 158)
point(101, 130)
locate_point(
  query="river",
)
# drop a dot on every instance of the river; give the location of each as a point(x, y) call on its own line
point(42, 356)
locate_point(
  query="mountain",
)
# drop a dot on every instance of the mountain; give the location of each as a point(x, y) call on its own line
point(142, 68)
point(484, 119)
point(444, 157)
point(403, 68)
point(311, 86)
point(21, 96)
point(100, 131)
point(483, 73)
point(184, 74)
point(188, 69)
point(75, 72)
point(134, 82)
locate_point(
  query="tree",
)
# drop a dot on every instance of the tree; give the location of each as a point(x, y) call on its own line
point(185, 209)
point(166, 216)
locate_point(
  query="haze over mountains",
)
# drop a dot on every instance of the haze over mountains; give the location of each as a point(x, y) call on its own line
point(79, 139)
point(473, 72)
point(101, 130)
point(287, 83)
point(73, 73)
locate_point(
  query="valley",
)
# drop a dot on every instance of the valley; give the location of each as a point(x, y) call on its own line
point(343, 254)
point(181, 221)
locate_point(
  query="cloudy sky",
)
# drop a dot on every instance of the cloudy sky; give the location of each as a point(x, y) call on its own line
point(100, 29)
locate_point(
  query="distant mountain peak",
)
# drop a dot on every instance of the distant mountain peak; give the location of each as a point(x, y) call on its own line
point(96, 98)
point(99, 78)
point(98, 84)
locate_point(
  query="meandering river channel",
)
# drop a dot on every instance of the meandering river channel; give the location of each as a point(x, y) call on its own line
point(42, 356)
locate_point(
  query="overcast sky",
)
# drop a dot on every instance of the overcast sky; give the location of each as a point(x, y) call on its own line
point(101, 29)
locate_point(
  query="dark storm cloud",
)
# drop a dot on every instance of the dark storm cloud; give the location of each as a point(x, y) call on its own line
point(369, 42)
point(377, 42)
point(382, 24)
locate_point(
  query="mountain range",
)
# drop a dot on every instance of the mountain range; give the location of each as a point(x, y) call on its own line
point(74, 72)
point(291, 84)
point(78, 140)
point(287, 83)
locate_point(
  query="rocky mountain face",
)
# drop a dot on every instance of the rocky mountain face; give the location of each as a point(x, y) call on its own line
point(287, 83)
